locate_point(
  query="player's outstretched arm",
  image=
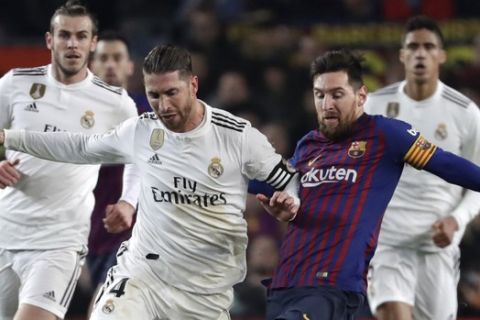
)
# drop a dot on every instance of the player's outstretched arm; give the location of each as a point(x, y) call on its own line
point(454, 169)
point(69, 147)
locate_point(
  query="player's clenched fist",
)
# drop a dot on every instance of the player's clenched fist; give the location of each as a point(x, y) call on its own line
point(118, 217)
point(9, 176)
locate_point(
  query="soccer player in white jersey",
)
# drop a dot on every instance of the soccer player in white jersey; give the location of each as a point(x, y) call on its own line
point(415, 271)
point(45, 206)
point(189, 241)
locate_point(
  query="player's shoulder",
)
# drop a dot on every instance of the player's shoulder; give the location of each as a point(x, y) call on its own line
point(310, 135)
point(387, 91)
point(389, 125)
point(226, 120)
point(30, 72)
point(107, 89)
point(456, 98)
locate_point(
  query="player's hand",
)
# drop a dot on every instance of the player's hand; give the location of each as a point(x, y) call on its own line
point(118, 217)
point(9, 175)
point(281, 205)
point(443, 231)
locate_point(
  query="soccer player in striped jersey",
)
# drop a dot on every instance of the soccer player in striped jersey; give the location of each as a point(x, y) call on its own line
point(45, 206)
point(414, 273)
point(188, 245)
point(349, 169)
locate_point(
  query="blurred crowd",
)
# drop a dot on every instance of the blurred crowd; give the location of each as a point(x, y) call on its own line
point(252, 58)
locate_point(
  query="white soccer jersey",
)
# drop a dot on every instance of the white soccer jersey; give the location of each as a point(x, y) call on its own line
point(190, 219)
point(451, 121)
point(50, 206)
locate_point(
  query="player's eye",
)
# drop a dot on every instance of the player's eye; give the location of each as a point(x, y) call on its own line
point(153, 95)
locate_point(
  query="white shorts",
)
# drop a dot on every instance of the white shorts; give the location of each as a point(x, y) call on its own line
point(126, 297)
point(43, 278)
point(427, 281)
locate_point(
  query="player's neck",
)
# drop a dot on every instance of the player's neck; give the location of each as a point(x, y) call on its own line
point(198, 115)
point(418, 92)
point(64, 78)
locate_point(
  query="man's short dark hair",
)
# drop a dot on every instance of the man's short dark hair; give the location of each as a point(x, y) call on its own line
point(168, 58)
point(111, 35)
point(423, 22)
point(74, 8)
point(340, 60)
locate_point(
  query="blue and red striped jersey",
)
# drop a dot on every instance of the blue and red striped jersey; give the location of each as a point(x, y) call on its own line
point(345, 187)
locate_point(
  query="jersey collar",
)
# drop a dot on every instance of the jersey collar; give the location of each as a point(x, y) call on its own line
point(80, 84)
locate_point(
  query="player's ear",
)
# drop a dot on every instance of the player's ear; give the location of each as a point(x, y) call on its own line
point(194, 84)
point(401, 55)
point(130, 68)
point(93, 44)
point(48, 40)
point(362, 95)
point(442, 56)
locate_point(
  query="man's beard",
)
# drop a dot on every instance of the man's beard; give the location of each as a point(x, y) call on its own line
point(70, 72)
point(341, 131)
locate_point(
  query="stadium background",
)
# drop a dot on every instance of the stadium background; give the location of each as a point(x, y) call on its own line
point(252, 57)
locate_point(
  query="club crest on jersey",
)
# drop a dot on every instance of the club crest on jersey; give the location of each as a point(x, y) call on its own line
point(87, 120)
point(357, 149)
point(393, 108)
point(441, 132)
point(37, 90)
point(423, 144)
point(156, 138)
point(215, 169)
point(108, 307)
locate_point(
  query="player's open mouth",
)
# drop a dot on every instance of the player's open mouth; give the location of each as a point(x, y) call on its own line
point(168, 116)
point(420, 67)
point(330, 120)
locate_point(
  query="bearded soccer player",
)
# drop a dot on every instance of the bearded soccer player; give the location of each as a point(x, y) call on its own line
point(45, 206)
point(349, 168)
point(414, 273)
point(188, 245)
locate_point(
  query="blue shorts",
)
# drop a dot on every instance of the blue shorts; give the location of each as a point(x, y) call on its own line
point(313, 303)
point(99, 266)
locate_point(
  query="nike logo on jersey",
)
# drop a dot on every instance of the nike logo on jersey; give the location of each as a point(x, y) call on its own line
point(311, 162)
point(155, 159)
point(31, 107)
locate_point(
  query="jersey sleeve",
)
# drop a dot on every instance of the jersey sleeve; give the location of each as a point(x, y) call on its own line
point(129, 106)
point(297, 153)
point(261, 162)
point(114, 146)
point(5, 104)
point(469, 206)
point(405, 143)
point(454, 169)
